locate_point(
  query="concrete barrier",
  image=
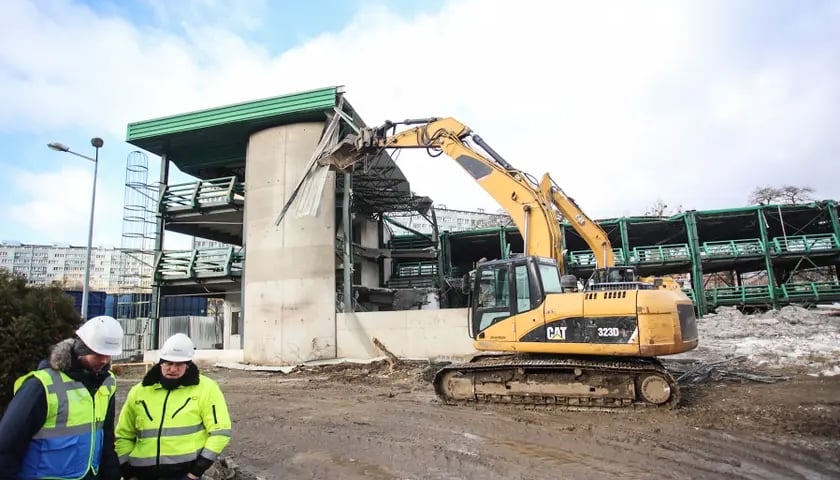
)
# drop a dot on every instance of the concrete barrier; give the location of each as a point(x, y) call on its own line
point(423, 334)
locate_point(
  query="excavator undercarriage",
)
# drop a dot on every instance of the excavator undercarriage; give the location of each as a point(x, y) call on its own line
point(566, 383)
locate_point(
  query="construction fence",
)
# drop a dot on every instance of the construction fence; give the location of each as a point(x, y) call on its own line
point(205, 332)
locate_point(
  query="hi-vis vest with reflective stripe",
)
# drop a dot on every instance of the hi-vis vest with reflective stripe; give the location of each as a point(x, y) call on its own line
point(70, 441)
point(187, 422)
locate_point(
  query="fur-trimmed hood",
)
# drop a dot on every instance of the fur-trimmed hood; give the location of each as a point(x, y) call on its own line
point(62, 355)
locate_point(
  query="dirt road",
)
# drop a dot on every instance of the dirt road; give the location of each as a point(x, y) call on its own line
point(367, 422)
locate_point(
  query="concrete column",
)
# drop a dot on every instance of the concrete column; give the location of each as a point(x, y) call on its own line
point(289, 277)
point(370, 239)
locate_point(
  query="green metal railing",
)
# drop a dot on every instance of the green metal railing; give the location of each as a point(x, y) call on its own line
point(415, 269)
point(689, 293)
point(198, 264)
point(813, 291)
point(651, 254)
point(585, 258)
point(805, 243)
point(203, 193)
point(744, 295)
point(661, 254)
point(733, 248)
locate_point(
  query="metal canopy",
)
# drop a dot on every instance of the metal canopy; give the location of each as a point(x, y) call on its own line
point(212, 143)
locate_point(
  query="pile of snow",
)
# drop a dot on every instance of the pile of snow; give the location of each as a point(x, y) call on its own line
point(790, 336)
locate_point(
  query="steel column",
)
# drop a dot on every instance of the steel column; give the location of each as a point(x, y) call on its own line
point(160, 228)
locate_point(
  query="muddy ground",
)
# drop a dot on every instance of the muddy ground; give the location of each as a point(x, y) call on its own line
point(352, 421)
point(371, 422)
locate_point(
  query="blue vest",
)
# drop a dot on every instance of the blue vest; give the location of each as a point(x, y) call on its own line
point(70, 441)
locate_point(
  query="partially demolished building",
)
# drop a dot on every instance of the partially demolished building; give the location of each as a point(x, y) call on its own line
point(314, 271)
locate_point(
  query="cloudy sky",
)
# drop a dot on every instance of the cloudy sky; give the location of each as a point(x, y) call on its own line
point(624, 103)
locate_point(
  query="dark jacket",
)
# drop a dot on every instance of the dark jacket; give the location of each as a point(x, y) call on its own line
point(27, 412)
point(175, 471)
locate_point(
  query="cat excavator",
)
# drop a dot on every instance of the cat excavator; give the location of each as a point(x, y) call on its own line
point(547, 341)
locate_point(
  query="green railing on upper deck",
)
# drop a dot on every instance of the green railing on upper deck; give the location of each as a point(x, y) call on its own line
point(743, 295)
point(661, 254)
point(199, 264)
point(585, 258)
point(805, 243)
point(733, 248)
point(811, 291)
point(203, 193)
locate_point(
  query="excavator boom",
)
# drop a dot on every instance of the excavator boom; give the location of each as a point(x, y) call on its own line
point(591, 232)
point(515, 191)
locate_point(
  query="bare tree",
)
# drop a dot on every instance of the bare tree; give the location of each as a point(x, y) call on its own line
point(660, 209)
point(764, 195)
point(785, 194)
point(794, 195)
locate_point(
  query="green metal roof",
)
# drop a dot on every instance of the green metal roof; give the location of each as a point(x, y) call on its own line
point(209, 143)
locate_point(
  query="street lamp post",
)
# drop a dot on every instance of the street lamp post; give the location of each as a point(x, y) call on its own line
point(97, 143)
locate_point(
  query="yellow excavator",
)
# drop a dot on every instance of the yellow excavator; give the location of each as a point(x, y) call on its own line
point(549, 342)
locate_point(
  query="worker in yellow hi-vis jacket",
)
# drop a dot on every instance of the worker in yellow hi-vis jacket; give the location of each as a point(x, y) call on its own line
point(175, 423)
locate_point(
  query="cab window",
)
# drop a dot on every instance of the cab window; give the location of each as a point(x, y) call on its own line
point(550, 277)
point(493, 300)
point(523, 289)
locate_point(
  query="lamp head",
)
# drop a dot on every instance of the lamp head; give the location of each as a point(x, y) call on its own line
point(97, 142)
point(59, 147)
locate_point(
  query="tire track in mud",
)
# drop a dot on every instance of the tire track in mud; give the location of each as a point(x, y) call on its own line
point(721, 453)
point(460, 451)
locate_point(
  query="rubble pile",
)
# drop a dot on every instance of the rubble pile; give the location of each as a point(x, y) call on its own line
point(789, 337)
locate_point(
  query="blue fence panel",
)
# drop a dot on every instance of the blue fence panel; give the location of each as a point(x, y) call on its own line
point(96, 302)
point(180, 306)
point(120, 306)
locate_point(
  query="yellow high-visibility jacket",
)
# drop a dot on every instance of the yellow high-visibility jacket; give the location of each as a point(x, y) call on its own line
point(165, 432)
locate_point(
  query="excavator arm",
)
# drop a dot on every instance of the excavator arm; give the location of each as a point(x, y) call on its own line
point(515, 191)
point(591, 232)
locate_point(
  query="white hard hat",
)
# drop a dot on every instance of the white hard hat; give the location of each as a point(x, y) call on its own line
point(177, 348)
point(102, 334)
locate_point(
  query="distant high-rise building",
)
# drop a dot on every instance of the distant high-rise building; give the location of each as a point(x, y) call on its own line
point(452, 220)
point(202, 243)
point(64, 265)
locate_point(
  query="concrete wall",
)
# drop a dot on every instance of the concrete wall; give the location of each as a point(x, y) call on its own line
point(289, 277)
point(203, 356)
point(428, 334)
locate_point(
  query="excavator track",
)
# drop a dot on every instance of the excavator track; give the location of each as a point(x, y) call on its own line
point(565, 383)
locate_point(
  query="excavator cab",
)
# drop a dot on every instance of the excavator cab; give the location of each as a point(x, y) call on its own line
point(504, 288)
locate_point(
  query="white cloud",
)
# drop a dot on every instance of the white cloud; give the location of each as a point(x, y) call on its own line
point(622, 102)
point(57, 204)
